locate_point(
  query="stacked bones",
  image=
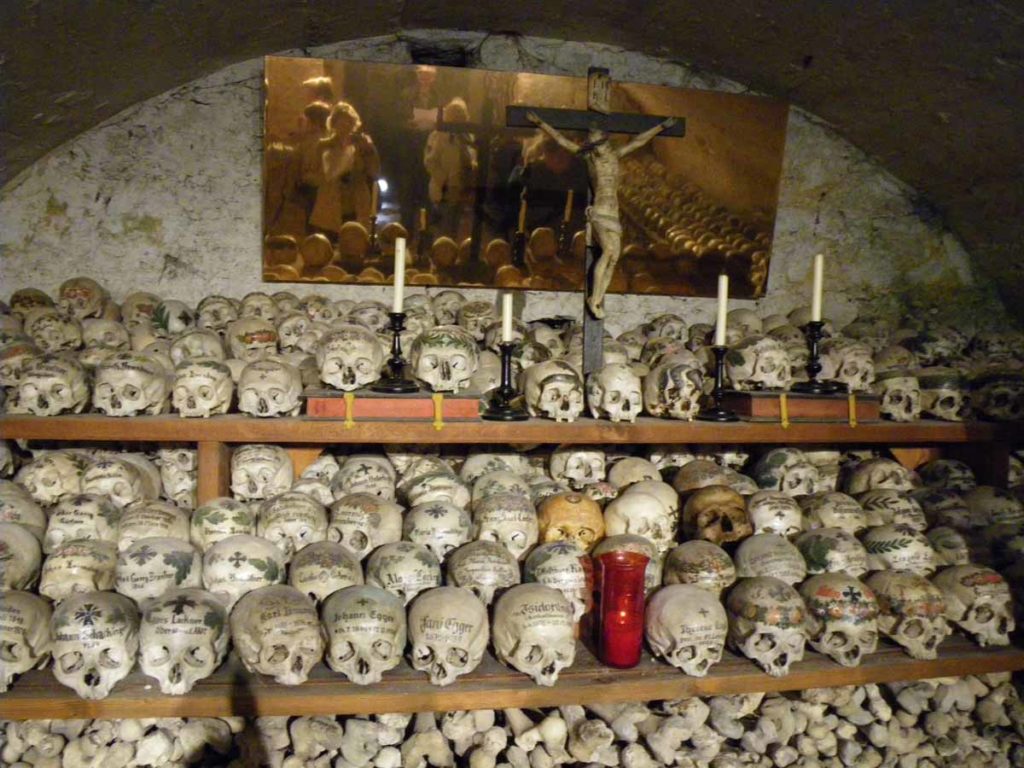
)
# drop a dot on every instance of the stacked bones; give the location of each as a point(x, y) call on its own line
point(972, 721)
point(363, 559)
point(149, 355)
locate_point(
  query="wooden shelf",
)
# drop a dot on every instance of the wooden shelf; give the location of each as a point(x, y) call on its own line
point(305, 430)
point(232, 691)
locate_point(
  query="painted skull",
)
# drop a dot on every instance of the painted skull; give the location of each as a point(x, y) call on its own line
point(81, 516)
point(978, 601)
point(219, 518)
point(614, 393)
point(108, 334)
point(251, 338)
point(52, 331)
point(202, 388)
point(349, 357)
point(139, 307)
point(24, 635)
point(849, 362)
point(843, 615)
point(323, 568)
point(642, 514)
point(215, 313)
point(81, 297)
point(774, 512)
point(475, 316)
point(21, 557)
point(998, 394)
point(371, 314)
point(404, 569)
point(758, 362)
point(879, 473)
point(833, 550)
point(14, 357)
point(118, 479)
point(78, 566)
point(444, 358)
point(885, 505)
point(131, 384)
point(911, 612)
point(439, 526)
point(292, 521)
point(673, 389)
point(702, 564)
point(571, 517)
point(577, 465)
point(260, 471)
point(565, 566)
point(448, 631)
point(290, 329)
point(484, 568)
point(833, 509)
point(787, 470)
point(553, 389)
point(508, 519)
point(534, 631)
point(363, 522)
point(269, 388)
point(900, 393)
point(236, 565)
point(258, 304)
point(277, 632)
point(768, 554)
point(172, 317)
point(150, 518)
point(366, 632)
point(716, 514)
point(767, 623)
point(943, 394)
point(446, 306)
point(51, 476)
point(686, 626)
point(50, 385)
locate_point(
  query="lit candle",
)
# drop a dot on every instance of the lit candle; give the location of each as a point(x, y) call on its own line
point(620, 581)
point(723, 307)
point(399, 274)
point(568, 207)
point(819, 276)
point(522, 215)
point(506, 318)
point(374, 198)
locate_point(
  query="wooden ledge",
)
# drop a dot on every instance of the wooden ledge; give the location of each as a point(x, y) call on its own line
point(232, 691)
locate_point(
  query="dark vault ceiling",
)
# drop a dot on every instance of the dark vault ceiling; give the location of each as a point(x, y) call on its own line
point(933, 89)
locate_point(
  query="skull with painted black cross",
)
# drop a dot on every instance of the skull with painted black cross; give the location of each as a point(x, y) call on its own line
point(362, 522)
point(183, 637)
point(277, 632)
point(238, 564)
point(911, 612)
point(614, 393)
point(686, 626)
point(349, 357)
point(150, 567)
point(843, 617)
point(553, 389)
point(50, 385)
point(444, 358)
point(96, 640)
point(25, 639)
point(448, 631)
point(767, 623)
point(439, 526)
point(365, 473)
point(259, 471)
point(534, 631)
point(978, 601)
point(366, 632)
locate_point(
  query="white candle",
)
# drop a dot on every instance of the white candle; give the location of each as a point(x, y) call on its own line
point(399, 274)
point(506, 318)
point(819, 275)
point(723, 307)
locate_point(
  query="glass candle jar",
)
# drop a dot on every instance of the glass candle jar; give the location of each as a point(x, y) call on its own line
point(620, 588)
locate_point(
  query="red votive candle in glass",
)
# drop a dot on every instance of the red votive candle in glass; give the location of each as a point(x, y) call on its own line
point(620, 587)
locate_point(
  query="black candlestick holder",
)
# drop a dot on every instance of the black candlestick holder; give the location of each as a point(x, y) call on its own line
point(814, 386)
point(396, 382)
point(717, 411)
point(505, 404)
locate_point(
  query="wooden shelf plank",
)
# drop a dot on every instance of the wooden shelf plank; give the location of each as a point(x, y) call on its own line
point(305, 430)
point(232, 691)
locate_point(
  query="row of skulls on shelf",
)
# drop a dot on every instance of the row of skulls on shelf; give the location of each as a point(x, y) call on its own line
point(149, 355)
point(976, 721)
point(341, 539)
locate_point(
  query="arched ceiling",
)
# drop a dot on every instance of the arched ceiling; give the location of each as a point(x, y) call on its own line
point(934, 90)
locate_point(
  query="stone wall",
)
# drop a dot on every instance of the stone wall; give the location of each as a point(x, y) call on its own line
point(166, 197)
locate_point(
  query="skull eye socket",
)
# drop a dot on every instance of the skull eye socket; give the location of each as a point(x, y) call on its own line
point(58, 390)
point(71, 662)
point(457, 657)
point(535, 654)
point(205, 392)
point(424, 654)
point(913, 629)
point(382, 649)
point(158, 655)
point(764, 643)
point(343, 650)
point(278, 654)
point(984, 614)
point(110, 658)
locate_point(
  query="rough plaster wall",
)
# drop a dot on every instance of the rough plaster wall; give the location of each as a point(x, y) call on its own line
point(166, 197)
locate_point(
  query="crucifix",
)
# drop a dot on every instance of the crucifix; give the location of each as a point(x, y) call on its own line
point(604, 230)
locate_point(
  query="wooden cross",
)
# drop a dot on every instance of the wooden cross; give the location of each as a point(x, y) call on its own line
point(598, 117)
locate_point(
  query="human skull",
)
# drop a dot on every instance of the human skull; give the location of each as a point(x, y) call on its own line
point(76, 566)
point(117, 479)
point(238, 564)
point(366, 632)
point(475, 316)
point(950, 546)
point(577, 465)
point(848, 362)
point(449, 632)
point(20, 557)
point(269, 388)
point(787, 470)
point(911, 612)
point(323, 568)
point(404, 569)
point(52, 476)
point(292, 521)
point(553, 389)
point(774, 512)
point(788, 335)
point(702, 564)
point(534, 631)
point(508, 519)
point(258, 304)
point(998, 394)
point(219, 518)
point(673, 389)
point(25, 639)
point(50, 385)
point(900, 394)
point(183, 638)
point(499, 481)
point(171, 317)
point(152, 566)
point(483, 567)
point(686, 625)
point(371, 314)
point(14, 357)
point(978, 601)
point(767, 623)
point(439, 526)
point(179, 469)
point(938, 345)
point(563, 565)
point(717, 514)
point(215, 313)
point(614, 393)
point(446, 306)
point(879, 473)
point(96, 640)
point(277, 632)
point(197, 345)
point(885, 505)
point(25, 299)
point(989, 505)
point(944, 507)
point(52, 331)
point(843, 617)
point(365, 473)
point(106, 334)
point(259, 471)
point(290, 329)
point(832, 550)
point(139, 307)
point(943, 394)
point(363, 522)
point(251, 338)
point(768, 554)
point(571, 517)
point(150, 518)
point(349, 357)
point(642, 514)
point(833, 509)
point(17, 506)
point(130, 384)
point(948, 474)
point(444, 358)
point(81, 516)
point(757, 363)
